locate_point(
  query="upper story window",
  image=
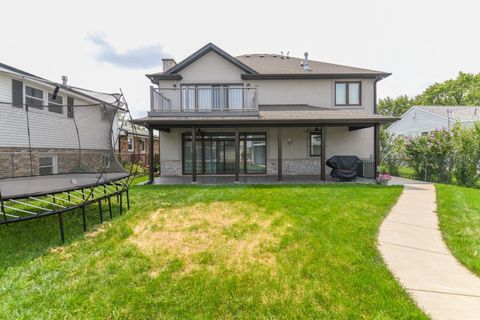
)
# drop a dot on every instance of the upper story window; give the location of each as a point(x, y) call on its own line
point(70, 110)
point(55, 105)
point(348, 93)
point(33, 97)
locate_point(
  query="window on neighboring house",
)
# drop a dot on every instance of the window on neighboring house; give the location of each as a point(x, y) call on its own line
point(142, 145)
point(348, 93)
point(55, 105)
point(47, 165)
point(70, 111)
point(106, 161)
point(315, 144)
point(130, 144)
point(425, 133)
point(33, 97)
point(17, 93)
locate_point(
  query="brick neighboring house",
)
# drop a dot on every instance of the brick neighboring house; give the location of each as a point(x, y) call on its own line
point(133, 145)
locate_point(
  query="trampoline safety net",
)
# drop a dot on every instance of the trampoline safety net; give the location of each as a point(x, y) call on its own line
point(60, 155)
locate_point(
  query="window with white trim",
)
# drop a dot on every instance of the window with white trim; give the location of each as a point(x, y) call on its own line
point(55, 105)
point(130, 144)
point(33, 97)
point(47, 165)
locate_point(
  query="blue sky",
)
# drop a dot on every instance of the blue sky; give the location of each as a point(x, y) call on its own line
point(105, 45)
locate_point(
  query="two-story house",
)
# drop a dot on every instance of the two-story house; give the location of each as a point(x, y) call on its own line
point(266, 114)
point(49, 128)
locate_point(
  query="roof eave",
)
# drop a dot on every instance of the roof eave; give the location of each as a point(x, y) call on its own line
point(291, 76)
point(266, 122)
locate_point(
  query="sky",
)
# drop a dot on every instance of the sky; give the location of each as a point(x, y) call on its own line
point(106, 45)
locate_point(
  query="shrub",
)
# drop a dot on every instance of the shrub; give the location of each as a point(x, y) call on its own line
point(431, 156)
point(391, 149)
point(467, 155)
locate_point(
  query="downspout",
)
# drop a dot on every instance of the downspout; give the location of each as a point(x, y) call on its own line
point(375, 95)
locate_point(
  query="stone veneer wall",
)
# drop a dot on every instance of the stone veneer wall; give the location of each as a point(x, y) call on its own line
point(295, 166)
point(15, 162)
point(171, 167)
point(290, 167)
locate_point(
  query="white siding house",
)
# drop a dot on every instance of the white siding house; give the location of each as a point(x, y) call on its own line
point(32, 122)
point(420, 120)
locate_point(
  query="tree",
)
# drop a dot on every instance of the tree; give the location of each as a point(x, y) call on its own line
point(395, 107)
point(463, 91)
point(391, 148)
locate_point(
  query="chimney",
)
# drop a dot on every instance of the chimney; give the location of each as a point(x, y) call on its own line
point(64, 80)
point(168, 63)
point(305, 62)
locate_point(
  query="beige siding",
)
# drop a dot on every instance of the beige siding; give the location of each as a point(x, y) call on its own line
point(339, 141)
point(211, 68)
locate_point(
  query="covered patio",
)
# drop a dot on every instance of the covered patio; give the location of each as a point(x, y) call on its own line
point(277, 120)
point(251, 179)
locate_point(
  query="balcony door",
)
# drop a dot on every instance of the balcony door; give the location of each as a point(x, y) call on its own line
point(212, 97)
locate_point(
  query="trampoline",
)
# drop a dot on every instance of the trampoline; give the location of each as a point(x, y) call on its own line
point(61, 156)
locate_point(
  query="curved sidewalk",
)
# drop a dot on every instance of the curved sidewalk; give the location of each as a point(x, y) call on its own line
point(412, 246)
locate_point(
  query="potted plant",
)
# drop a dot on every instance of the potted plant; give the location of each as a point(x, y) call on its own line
point(383, 177)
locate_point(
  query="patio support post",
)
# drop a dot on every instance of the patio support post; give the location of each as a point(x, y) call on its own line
point(151, 166)
point(376, 155)
point(323, 153)
point(194, 154)
point(237, 155)
point(279, 149)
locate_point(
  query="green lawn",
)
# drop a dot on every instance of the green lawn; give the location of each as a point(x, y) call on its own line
point(459, 214)
point(224, 252)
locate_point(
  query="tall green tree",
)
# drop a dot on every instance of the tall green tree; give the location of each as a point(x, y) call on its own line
point(464, 90)
point(395, 107)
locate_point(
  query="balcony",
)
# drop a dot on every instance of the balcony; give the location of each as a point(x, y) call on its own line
point(204, 100)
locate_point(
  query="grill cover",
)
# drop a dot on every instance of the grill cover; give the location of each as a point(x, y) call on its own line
point(344, 167)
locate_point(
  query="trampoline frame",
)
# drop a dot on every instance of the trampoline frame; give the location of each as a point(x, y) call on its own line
point(112, 188)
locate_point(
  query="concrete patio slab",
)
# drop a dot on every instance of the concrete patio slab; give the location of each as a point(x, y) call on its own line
point(413, 248)
point(251, 179)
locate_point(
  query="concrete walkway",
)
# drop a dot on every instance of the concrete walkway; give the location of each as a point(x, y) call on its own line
point(412, 247)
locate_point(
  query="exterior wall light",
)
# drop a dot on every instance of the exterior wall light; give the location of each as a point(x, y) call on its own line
point(289, 141)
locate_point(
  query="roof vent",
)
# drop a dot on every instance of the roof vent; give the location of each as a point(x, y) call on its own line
point(64, 80)
point(305, 62)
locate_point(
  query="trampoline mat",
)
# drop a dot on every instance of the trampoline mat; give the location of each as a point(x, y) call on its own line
point(39, 185)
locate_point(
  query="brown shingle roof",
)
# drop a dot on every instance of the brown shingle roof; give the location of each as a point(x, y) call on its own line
point(276, 64)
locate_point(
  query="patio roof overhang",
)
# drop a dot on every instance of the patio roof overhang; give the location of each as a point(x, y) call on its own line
point(268, 116)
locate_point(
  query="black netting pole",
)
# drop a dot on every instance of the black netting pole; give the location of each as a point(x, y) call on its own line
point(79, 168)
point(29, 141)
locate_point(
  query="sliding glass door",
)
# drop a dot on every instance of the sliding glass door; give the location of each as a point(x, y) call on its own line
point(215, 153)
